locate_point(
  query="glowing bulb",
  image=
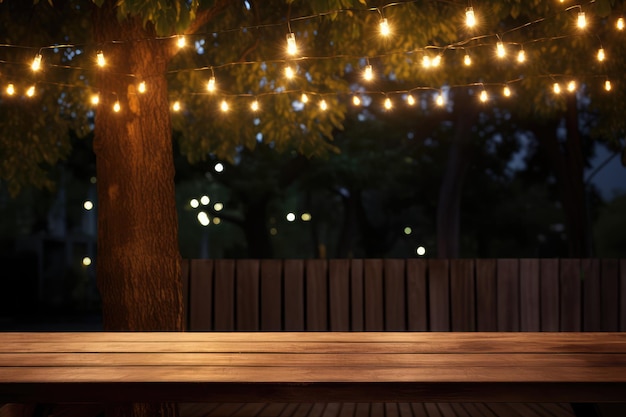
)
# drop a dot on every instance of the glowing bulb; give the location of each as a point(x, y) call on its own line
point(292, 48)
point(556, 88)
point(521, 56)
point(436, 61)
point(483, 96)
point(388, 105)
point(410, 100)
point(176, 106)
point(304, 98)
point(10, 89)
point(385, 30)
point(470, 18)
point(100, 59)
point(323, 105)
point(254, 106)
point(142, 87)
point(180, 41)
point(211, 85)
point(356, 100)
point(86, 261)
point(95, 99)
point(224, 106)
point(506, 91)
point(607, 85)
point(368, 73)
point(467, 60)
point(426, 61)
point(620, 23)
point(439, 101)
point(36, 65)
point(117, 107)
point(582, 20)
point(601, 55)
point(31, 91)
point(500, 51)
point(289, 73)
point(571, 86)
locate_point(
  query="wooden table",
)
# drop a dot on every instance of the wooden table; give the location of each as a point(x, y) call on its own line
point(313, 367)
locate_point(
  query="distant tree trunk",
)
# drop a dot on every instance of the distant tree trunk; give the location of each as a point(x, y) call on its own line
point(459, 159)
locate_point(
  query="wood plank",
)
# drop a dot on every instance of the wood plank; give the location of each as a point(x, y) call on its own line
point(395, 294)
point(373, 294)
point(317, 295)
point(271, 295)
point(391, 410)
point(486, 296)
point(508, 295)
point(347, 410)
point(339, 294)
point(610, 295)
point(530, 308)
point(201, 295)
point(570, 281)
point(592, 297)
point(185, 266)
point(247, 295)
point(246, 410)
point(462, 295)
point(294, 294)
point(224, 283)
point(439, 292)
point(419, 410)
point(417, 295)
point(622, 286)
point(550, 295)
point(357, 297)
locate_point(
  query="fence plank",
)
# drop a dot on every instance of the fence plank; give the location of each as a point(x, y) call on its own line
point(508, 295)
point(417, 295)
point(462, 295)
point(610, 294)
point(247, 293)
point(622, 297)
point(201, 295)
point(395, 294)
point(339, 294)
point(550, 294)
point(439, 292)
point(530, 317)
point(357, 319)
point(486, 295)
point(316, 295)
point(592, 310)
point(184, 278)
point(570, 295)
point(294, 295)
point(373, 294)
point(224, 300)
point(271, 295)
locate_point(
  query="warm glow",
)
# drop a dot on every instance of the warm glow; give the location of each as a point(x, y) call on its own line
point(521, 56)
point(31, 91)
point(203, 218)
point(306, 217)
point(484, 96)
point(224, 106)
point(290, 217)
point(556, 88)
point(436, 61)
point(426, 61)
point(36, 65)
point(368, 73)
point(506, 91)
point(410, 100)
point(86, 261)
point(100, 59)
point(601, 55)
point(607, 85)
point(176, 106)
point(95, 99)
point(356, 100)
point(571, 86)
point(421, 251)
point(467, 60)
point(289, 73)
point(323, 105)
point(388, 105)
point(117, 107)
point(582, 20)
point(304, 98)
point(194, 203)
point(440, 100)
point(292, 48)
point(255, 105)
point(211, 85)
point(218, 206)
point(10, 89)
point(470, 18)
point(205, 200)
point(385, 30)
point(88, 205)
point(180, 41)
point(500, 51)
point(142, 87)
point(620, 23)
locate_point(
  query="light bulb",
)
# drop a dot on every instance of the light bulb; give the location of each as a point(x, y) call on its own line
point(484, 96)
point(601, 55)
point(356, 100)
point(100, 59)
point(426, 61)
point(385, 30)
point(180, 41)
point(176, 106)
point(521, 56)
point(582, 20)
point(620, 23)
point(304, 98)
point(36, 65)
point(470, 18)
point(142, 87)
point(224, 106)
point(467, 60)
point(254, 106)
point(500, 51)
point(388, 105)
point(31, 91)
point(410, 100)
point(506, 91)
point(289, 73)
point(607, 85)
point(10, 89)
point(117, 107)
point(556, 87)
point(292, 48)
point(368, 73)
point(436, 61)
point(95, 99)
point(439, 100)
point(211, 85)
point(323, 105)
point(571, 86)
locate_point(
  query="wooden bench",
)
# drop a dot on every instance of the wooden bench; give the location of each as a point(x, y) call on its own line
point(312, 367)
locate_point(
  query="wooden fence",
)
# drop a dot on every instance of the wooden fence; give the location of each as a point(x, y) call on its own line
point(406, 295)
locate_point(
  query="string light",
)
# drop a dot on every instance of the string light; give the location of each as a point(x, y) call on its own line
point(100, 59)
point(368, 73)
point(410, 100)
point(95, 99)
point(607, 85)
point(142, 87)
point(484, 96)
point(10, 89)
point(289, 73)
point(601, 55)
point(556, 87)
point(254, 106)
point(224, 106)
point(31, 91)
point(388, 104)
point(304, 98)
point(292, 48)
point(521, 56)
point(356, 100)
point(620, 23)
point(210, 86)
point(467, 60)
point(436, 61)
point(36, 65)
point(582, 20)
point(117, 107)
point(176, 106)
point(500, 51)
point(181, 41)
point(439, 100)
point(506, 91)
point(385, 30)
point(323, 105)
point(571, 86)
point(470, 18)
